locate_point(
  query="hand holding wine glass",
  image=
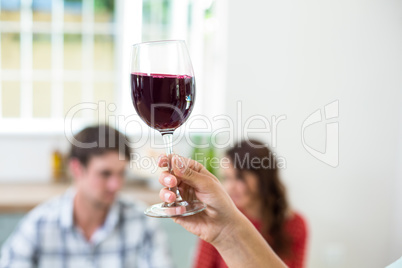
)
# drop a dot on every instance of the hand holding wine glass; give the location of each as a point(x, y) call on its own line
point(221, 223)
point(220, 208)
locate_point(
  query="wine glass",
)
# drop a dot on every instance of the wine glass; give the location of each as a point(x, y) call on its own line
point(163, 94)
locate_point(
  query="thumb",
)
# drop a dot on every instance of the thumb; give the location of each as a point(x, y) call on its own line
point(191, 172)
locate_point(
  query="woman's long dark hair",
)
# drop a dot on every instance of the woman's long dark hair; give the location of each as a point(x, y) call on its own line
point(256, 157)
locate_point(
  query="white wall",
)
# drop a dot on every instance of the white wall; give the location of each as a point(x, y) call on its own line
point(27, 158)
point(396, 240)
point(294, 57)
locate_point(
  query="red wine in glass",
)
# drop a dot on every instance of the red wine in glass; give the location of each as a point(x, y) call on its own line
point(163, 94)
point(164, 102)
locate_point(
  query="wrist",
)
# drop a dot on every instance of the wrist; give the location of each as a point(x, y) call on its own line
point(241, 245)
point(232, 232)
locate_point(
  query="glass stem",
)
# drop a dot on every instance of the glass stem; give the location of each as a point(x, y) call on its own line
point(168, 141)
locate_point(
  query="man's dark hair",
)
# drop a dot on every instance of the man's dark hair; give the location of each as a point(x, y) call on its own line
point(98, 140)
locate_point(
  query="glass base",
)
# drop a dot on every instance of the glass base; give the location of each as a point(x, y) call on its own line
point(176, 209)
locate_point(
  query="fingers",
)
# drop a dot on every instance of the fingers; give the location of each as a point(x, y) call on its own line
point(181, 163)
point(167, 196)
point(187, 170)
point(167, 179)
point(192, 173)
point(163, 162)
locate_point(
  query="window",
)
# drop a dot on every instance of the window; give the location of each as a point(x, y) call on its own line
point(56, 54)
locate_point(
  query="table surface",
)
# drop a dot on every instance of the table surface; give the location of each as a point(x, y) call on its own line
point(23, 197)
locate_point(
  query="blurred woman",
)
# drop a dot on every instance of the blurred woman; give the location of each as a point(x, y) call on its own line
point(253, 183)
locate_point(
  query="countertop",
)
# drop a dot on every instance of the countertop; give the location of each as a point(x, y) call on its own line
point(22, 197)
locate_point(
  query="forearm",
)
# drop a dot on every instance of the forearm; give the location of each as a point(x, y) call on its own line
point(241, 245)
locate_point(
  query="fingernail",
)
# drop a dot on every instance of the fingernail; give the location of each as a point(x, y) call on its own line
point(179, 162)
point(167, 196)
point(168, 180)
point(160, 157)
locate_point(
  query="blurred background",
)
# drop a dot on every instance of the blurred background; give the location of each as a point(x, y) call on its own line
point(276, 59)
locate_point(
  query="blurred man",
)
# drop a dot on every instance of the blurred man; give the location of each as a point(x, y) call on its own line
point(90, 225)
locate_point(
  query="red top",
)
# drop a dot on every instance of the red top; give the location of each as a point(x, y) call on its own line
point(208, 257)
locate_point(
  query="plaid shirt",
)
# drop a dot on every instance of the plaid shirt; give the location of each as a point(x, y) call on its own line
point(47, 238)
